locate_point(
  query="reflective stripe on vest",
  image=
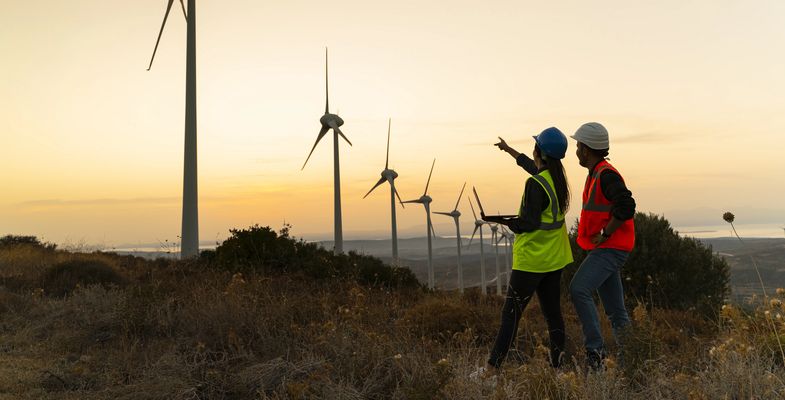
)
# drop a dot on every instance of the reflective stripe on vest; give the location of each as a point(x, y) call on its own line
point(596, 212)
point(555, 224)
point(591, 203)
point(548, 247)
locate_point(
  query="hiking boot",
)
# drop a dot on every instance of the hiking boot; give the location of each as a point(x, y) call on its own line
point(595, 360)
point(556, 357)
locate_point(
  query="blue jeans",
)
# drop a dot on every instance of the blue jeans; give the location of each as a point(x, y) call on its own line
point(600, 272)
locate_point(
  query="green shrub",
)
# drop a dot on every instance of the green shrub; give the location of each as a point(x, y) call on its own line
point(262, 250)
point(19, 240)
point(62, 278)
point(667, 270)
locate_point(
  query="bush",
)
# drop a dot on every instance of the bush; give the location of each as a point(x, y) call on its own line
point(18, 240)
point(62, 278)
point(262, 250)
point(669, 271)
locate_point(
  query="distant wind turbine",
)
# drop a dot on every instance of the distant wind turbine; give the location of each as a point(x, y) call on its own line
point(494, 232)
point(455, 214)
point(334, 122)
point(505, 235)
point(189, 245)
point(425, 200)
point(389, 176)
point(478, 223)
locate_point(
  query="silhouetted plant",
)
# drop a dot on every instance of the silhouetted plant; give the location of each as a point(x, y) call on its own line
point(263, 250)
point(62, 278)
point(19, 240)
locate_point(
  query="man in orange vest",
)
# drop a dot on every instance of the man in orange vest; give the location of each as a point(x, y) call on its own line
point(607, 231)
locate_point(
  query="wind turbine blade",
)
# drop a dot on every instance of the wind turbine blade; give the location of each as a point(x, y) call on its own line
point(443, 213)
point(326, 85)
point(375, 186)
point(412, 201)
point(182, 5)
point(398, 195)
point(338, 131)
point(470, 205)
point(459, 196)
point(433, 231)
point(473, 233)
point(387, 160)
point(160, 33)
point(322, 132)
point(429, 177)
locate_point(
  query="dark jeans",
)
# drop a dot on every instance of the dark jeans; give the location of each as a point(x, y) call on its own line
point(520, 290)
point(600, 272)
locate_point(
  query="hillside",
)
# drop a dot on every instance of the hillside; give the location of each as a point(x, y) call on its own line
point(195, 330)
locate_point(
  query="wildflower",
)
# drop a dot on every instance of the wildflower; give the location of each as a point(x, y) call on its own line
point(778, 316)
point(397, 356)
point(443, 362)
point(775, 302)
point(729, 217)
point(766, 313)
point(780, 291)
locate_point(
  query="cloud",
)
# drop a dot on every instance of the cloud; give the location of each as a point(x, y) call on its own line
point(648, 137)
point(97, 202)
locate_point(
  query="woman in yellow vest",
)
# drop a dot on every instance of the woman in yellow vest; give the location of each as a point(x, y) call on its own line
point(541, 248)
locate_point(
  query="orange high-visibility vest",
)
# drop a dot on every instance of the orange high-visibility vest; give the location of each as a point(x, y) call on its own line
point(596, 213)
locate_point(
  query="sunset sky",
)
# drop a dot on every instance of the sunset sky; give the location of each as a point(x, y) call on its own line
point(91, 143)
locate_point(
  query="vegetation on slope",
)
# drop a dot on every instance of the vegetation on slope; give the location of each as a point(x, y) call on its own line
point(266, 316)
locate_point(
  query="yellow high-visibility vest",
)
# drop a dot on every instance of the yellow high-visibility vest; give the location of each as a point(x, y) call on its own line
point(547, 248)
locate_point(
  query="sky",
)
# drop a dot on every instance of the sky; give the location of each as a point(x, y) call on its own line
point(92, 143)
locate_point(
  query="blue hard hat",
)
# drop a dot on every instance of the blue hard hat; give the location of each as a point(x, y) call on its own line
point(552, 142)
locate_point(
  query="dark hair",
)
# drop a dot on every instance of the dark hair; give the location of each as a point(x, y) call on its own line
point(562, 187)
point(601, 153)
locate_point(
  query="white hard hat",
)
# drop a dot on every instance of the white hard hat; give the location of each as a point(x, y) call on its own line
point(594, 135)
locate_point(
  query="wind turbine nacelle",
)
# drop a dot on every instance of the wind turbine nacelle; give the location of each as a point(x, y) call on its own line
point(456, 214)
point(425, 199)
point(328, 118)
point(389, 174)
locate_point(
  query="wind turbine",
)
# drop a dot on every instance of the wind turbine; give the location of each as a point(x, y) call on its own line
point(334, 122)
point(455, 214)
point(494, 233)
point(505, 235)
point(389, 176)
point(425, 200)
point(478, 223)
point(189, 238)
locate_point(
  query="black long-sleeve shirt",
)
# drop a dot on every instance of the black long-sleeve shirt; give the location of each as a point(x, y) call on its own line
point(536, 200)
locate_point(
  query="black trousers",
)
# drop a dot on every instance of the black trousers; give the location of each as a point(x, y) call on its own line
point(520, 291)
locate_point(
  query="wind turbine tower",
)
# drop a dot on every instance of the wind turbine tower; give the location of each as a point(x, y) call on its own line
point(334, 122)
point(189, 245)
point(389, 176)
point(425, 200)
point(494, 232)
point(455, 214)
point(478, 223)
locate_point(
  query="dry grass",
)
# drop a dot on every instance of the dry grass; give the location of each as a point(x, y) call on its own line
point(187, 331)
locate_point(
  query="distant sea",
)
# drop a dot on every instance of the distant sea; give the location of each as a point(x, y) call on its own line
point(744, 230)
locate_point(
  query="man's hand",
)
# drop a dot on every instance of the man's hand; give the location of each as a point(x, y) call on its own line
point(598, 239)
point(502, 145)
